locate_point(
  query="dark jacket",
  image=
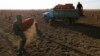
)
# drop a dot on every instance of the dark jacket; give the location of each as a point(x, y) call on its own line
point(18, 28)
point(79, 6)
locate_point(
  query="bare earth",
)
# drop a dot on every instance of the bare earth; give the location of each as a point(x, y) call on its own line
point(82, 39)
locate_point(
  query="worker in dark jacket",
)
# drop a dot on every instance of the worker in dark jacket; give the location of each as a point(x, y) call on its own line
point(18, 30)
point(80, 8)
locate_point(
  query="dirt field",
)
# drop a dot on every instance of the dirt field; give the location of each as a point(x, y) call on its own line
point(82, 39)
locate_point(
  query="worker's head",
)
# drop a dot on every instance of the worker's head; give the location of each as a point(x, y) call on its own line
point(19, 18)
point(78, 2)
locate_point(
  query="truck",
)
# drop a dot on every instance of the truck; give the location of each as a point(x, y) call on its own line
point(65, 13)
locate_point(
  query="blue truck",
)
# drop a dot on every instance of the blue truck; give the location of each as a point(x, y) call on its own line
point(68, 15)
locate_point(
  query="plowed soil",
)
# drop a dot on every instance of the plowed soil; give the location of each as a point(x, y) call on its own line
point(81, 39)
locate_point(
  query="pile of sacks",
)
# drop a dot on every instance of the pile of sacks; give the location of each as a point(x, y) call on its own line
point(66, 6)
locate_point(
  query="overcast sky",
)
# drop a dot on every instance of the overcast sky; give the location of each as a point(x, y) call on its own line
point(45, 4)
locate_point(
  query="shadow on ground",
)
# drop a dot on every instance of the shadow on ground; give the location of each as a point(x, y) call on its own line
point(90, 30)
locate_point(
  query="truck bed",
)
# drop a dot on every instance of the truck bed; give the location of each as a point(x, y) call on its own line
point(65, 13)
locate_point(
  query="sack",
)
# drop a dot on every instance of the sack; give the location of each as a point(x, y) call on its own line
point(69, 6)
point(27, 23)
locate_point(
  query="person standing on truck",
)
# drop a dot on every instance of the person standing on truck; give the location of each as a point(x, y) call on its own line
point(19, 31)
point(80, 8)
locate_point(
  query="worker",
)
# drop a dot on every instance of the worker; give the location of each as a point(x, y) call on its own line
point(18, 30)
point(80, 8)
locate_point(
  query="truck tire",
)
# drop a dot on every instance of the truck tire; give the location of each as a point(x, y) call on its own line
point(46, 19)
point(71, 21)
point(51, 22)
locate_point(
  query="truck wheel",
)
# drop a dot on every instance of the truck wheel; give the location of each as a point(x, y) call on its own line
point(71, 21)
point(46, 19)
point(51, 22)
